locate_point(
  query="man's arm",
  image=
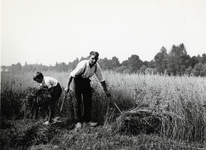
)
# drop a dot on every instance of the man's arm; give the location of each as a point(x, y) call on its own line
point(69, 82)
point(103, 83)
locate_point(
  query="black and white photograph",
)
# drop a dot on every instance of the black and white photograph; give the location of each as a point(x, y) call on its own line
point(103, 75)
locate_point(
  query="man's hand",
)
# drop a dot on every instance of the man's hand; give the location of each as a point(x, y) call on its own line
point(66, 89)
point(43, 87)
point(105, 89)
point(108, 94)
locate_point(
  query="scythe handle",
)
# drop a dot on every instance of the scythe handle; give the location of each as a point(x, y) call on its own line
point(63, 102)
point(115, 105)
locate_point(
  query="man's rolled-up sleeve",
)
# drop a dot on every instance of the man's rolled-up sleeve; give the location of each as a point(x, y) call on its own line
point(78, 70)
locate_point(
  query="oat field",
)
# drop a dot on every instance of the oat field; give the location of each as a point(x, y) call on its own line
point(181, 98)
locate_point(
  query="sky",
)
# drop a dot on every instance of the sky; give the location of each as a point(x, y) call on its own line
point(50, 31)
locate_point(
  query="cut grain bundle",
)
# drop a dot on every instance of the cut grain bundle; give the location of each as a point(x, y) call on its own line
point(37, 102)
point(144, 121)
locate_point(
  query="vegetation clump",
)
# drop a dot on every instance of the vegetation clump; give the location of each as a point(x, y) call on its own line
point(139, 121)
point(37, 102)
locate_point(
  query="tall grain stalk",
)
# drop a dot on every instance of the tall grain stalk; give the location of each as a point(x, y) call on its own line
point(181, 97)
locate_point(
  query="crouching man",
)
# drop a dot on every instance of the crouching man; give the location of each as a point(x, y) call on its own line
point(81, 87)
point(54, 89)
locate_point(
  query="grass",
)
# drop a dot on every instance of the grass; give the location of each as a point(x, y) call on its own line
point(34, 136)
point(176, 101)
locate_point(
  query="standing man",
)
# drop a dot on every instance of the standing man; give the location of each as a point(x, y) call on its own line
point(80, 86)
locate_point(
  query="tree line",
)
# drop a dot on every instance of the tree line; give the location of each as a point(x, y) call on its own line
point(173, 62)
